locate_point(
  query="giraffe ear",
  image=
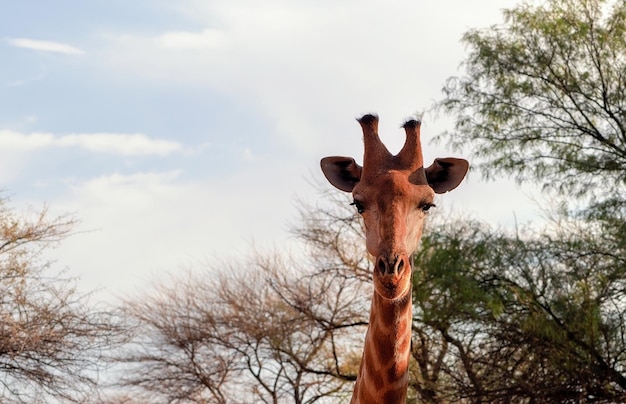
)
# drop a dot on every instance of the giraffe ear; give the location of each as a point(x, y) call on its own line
point(342, 172)
point(445, 174)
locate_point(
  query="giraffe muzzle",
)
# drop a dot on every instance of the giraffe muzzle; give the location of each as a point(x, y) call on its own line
point(394, 265)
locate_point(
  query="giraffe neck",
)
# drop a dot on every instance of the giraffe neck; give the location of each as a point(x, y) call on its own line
point(384, 372)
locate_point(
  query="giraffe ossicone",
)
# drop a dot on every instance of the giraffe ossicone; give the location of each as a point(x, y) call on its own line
point(393, 194)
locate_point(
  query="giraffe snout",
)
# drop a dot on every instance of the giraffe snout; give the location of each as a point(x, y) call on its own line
point(394, 265)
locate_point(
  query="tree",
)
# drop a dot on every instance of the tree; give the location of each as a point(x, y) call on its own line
point(253, 337)
point(266, 329)
point(51, 339)
point(534, 316)
point(542, 97)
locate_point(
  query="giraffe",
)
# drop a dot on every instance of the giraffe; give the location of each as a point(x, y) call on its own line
point(393, 194)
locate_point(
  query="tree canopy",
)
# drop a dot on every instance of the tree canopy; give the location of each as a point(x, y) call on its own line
point(266, 329)
point(542, 95)
point(523, 317)
point(535, 316)
point(51, 339)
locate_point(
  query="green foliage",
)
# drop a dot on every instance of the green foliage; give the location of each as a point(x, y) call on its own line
point(542, 97)
point(449, 291)
point(537, 316)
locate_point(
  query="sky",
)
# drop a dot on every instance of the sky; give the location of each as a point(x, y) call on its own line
point(181, 132)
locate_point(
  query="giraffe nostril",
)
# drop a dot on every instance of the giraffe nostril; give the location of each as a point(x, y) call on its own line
point(399, 266)
point(381, 265)
point(392, 265)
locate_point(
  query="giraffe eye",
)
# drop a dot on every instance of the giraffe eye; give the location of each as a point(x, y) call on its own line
point(359, 206)
point(426, 207)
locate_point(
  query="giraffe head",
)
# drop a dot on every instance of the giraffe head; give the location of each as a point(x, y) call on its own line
point(394, 195)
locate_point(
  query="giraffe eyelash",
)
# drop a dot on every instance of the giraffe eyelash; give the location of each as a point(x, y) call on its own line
point(359, 206)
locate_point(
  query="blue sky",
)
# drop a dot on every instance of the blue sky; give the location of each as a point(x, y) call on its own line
point(180, 132)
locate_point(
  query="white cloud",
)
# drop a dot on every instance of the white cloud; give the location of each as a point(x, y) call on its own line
point(134, 225)
point(123, 144)
point(46, 46)
point(248, 155)
point(114, 143)
point(15, 141)
point(311, 68)
point(180, 40)
point(21, 82)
